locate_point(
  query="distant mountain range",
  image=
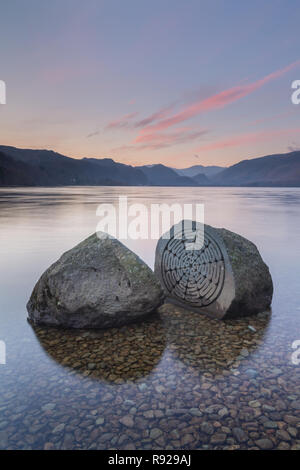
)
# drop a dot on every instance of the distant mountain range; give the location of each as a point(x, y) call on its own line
point(47, 168)
point(25, 167)
point(195, 170)
point(161, 175)
point(272, 170)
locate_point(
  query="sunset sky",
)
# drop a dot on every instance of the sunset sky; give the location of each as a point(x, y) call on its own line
point(162, 81)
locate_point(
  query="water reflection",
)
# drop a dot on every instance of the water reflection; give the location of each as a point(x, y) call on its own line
point(213, 345)
point(179, 380)
point(115, 355)
point(131, 353)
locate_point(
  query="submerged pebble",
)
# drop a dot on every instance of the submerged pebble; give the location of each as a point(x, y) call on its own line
point(176, 381)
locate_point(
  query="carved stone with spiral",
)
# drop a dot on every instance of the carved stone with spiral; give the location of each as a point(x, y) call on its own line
point(212, 271)
point(195, 276)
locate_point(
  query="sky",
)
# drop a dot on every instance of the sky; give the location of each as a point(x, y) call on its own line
point(167, 81)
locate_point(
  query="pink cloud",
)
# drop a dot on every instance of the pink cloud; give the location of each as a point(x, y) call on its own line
point(238, 140)
point(156, 136)
point(220, 100)
point(158, 141)
point(181, 136)
point(161, 114)
point(151, 137)
point(121, 122)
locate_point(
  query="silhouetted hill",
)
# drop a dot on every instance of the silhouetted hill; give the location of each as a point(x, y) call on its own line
point(202, 180)
point(14, 173)
point(127, 174)
point(25, 167)
point(272, 170)
point(161, 175)
point(52, 169)
point(194, 170)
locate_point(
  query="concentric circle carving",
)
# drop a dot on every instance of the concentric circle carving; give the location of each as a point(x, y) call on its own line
point(195, 276)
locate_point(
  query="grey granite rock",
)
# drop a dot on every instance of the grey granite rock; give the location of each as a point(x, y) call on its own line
point(99, 283)
point(213, 271)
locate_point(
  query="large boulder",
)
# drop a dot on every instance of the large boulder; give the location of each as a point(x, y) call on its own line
point(100, 283)
point(212, 270)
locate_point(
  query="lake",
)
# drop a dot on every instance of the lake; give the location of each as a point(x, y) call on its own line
point(177, 381)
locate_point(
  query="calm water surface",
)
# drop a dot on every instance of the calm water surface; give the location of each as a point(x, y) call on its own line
point(177, 381)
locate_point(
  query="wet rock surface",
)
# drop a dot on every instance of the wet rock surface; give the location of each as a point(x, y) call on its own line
point(176, 381)
point(97, 284)
point(213, 271)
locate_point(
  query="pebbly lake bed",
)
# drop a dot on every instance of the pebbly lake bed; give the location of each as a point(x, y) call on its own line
point(178, 380)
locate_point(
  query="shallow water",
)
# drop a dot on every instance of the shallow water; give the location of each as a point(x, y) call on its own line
point(178, 380)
